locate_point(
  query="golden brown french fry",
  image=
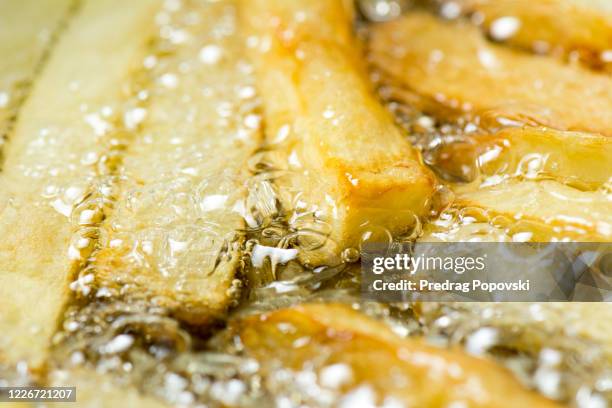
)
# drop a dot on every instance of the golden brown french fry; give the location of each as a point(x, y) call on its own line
point(48, 169)
point(22, 47)
point(454, 65)
point(355, 170)
point(173, 238)
point(350, 356)
point(548, 26)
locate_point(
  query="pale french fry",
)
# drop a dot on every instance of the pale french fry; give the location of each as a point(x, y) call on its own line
point(547, 208)
point(548, 26)
point(173, 238)
point(22, 47)
point(318, 338)
point(581, 160)
point(453, 64)
point(356, 170)
point(47, 170)
point(543, 183)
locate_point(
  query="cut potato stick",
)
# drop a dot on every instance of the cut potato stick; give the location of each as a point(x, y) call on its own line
point(319, 339)
point(48, 169)
point(357, 171)
point(581, 160)
point(514, 209)
point(453, 64)
point(548, 208)
point(173, 239)
point(22, 47)
point(548, 26)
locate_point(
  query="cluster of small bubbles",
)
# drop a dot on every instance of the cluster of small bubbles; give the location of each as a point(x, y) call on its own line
point(474, 223)
point(136, 342)
point(88, 206)
point(432, 136)
point(562, 370)
point(123, 338)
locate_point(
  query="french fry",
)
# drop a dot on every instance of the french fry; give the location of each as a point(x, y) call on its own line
point(546, 208)
point(548, 26)
point(581, 160)
point(317, 338)
point(46, 173)
point(545, 183)
point(22, 47)
point(357, 171)
point(173, 238)
point(453, 64)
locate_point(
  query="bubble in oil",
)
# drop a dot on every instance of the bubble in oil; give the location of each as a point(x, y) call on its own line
point(383, 10)
point(512, 335)
point(375, 235)
point(350, 255)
